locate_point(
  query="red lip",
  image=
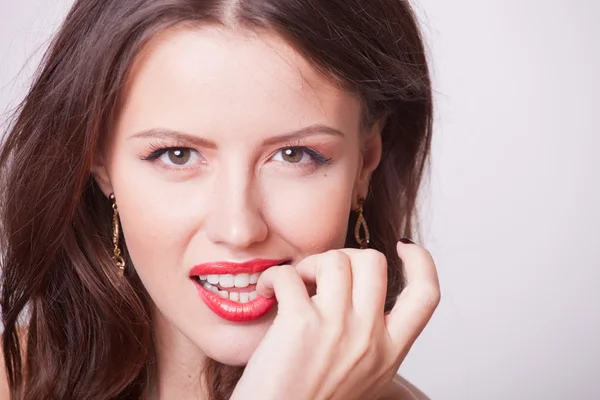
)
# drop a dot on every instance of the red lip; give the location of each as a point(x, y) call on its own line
point(225, 267)
point(234, 311)
point(228, 309)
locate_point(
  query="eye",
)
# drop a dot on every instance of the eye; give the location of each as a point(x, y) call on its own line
point(293, 155)
point(174, 157)
point(178, 156)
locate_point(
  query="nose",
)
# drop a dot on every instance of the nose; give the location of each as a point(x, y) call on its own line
point(235, 219)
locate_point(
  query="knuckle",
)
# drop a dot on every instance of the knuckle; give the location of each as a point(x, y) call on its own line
point(336, 255)
point(335, 259)
point(376, 263)
point(379, 265)
point(369, 258)
point(376, 258)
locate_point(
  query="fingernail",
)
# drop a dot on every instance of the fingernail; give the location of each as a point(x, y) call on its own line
point(407, 241)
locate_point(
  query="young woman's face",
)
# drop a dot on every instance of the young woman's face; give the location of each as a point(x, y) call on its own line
point(229, 147)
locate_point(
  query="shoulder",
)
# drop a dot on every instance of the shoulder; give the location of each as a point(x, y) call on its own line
point(4, 390)
point(4, 393)
point(401, 389)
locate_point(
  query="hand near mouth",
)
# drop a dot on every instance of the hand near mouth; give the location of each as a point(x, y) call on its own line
point(338, 344)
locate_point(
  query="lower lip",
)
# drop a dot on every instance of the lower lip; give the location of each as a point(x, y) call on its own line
point(234, 311)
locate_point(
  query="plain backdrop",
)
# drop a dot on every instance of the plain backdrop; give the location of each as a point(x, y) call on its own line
point(511, 213)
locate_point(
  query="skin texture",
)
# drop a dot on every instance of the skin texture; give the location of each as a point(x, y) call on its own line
point(225, 102)
point(336, 344)
point(237, 198)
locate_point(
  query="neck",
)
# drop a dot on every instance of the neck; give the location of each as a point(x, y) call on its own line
point(179, 363)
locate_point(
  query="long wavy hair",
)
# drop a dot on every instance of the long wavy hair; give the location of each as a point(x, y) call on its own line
point(87, 331)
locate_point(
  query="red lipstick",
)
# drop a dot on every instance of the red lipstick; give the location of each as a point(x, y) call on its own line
point(229, 309)
point(225, 267)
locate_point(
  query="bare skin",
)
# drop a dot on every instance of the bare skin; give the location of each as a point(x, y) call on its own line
point(398, 389)
point(224, 187)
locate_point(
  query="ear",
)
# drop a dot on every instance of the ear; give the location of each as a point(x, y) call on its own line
point(369, 160)
point(100, 173)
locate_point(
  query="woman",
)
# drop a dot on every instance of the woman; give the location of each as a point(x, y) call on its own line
point(203, 199)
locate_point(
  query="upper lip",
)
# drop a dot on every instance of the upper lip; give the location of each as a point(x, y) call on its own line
point(228, 267)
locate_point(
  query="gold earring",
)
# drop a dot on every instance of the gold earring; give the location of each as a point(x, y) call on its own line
point(117, 257)
point(364, 242)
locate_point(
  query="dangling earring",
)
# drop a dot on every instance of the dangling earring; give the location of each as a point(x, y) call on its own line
point(117, 257)
point(364, 242)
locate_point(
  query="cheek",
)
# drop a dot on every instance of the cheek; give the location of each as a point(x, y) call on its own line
point(156, 218)
point(311, 215)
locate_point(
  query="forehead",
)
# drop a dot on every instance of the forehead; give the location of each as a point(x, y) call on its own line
point(218, 76)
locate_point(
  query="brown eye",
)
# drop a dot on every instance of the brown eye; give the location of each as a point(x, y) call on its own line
point(292, 154)
point(179, 156)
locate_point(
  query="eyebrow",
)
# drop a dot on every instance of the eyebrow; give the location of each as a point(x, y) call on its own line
point(164, 133)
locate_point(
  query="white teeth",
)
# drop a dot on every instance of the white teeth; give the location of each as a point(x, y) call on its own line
point(242, 280)
point(230, 280)
point(226, 281)
point(244, 297)
point(239, 297)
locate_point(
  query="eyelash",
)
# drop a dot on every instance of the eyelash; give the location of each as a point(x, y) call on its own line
point(317, 156)
point(158, 149)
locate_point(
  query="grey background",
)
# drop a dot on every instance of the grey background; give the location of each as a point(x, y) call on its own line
point(511, 211)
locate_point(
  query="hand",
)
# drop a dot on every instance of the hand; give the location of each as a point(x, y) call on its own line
point(338, 344)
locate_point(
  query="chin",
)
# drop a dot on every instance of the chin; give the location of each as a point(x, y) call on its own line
point(238, 359)
point(233, 343)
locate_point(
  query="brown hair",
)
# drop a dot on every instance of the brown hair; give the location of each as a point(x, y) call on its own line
point(89, 332)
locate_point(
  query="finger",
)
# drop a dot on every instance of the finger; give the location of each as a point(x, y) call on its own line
point(369, 281)
point(418, 300)
point(287, 286)
point(331, 272)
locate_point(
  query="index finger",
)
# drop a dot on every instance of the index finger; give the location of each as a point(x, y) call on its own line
point(285, 284)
